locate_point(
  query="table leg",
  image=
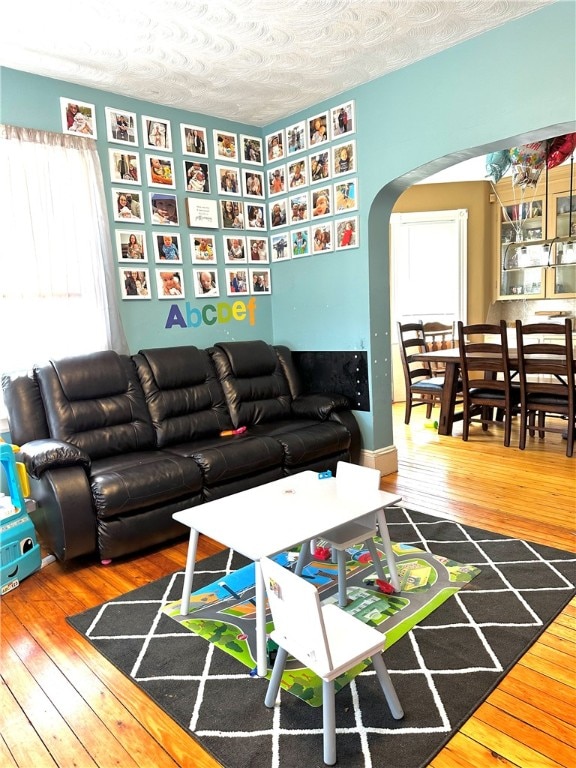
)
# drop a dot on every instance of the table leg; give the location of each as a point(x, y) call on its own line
point(390, 557)
point(189, 572)
point(448, 399)
point(261, 655)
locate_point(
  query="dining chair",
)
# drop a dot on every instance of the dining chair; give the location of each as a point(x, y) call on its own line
point(439, 336)
point(486, 377)
point(352, 480)
point(325, 638)
point(547, 379)
point(422, 387)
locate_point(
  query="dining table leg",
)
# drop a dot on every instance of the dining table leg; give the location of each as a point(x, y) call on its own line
point(448, 399)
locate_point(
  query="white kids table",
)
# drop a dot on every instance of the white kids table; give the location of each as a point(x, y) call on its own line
point(274, 517)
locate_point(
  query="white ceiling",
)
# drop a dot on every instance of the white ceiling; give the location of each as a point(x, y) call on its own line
point(253, 61)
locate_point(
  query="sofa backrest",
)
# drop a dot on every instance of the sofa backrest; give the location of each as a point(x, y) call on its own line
point(253, 381)
point(183, 395)
point(96, 402)
point(26, 417)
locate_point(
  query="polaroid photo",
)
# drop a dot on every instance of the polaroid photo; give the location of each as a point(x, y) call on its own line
point(236, 281)
point(257, 250)
point(252, 151)
point(193, 140)
point(277, 213)
point(232, 214)
point(275, 146)
point(296, 138)
point(320, 166)
point(253, 183)
point(318, 129)
point(203, 248)
point(197, 177)
point(344, 158)
point(342, 120)
point(78, 118)
point(127, 205)
point(346, 196)
point(124, 167)
point(347, 233)
point(156, 134)
point(321, 202)
point(276, 180)
point(134, 284)
point(225, 146)
point(322, 236)
point(298, 174)
point(280, 247)
point(300, 242)
point(299, 207)
point(121, 127)
point(160, 171)
point(131, 245)
point(167, 247)
point(205, 283)
point(256, 216)
point(163, 209)
point(228, 180)
point(260, 281)
point(170, 283)
point(234, 249)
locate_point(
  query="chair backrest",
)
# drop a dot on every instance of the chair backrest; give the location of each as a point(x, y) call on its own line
point(546, 359)
point(352, 478)
point(297, 616)
point(439, 336)
point(487, 357)
point(411, 342)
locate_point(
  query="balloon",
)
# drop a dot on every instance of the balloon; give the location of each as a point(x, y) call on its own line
point(560, 148)
point(497, 163)
point(527, 163)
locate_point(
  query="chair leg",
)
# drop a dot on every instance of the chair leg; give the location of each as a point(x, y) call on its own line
point(408, 410)
point(429, 409)
point(277, 672)
point(342, 596)
point(375, 558)
point(523, 429)
point(329, 721)
point(541, 424)
point(387, 687)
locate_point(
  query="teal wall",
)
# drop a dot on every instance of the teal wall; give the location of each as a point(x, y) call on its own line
point(498, 90)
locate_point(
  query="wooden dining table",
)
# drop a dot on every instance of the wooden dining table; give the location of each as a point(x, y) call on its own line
point(450, 358)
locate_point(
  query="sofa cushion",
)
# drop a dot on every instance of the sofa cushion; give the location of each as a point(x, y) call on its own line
point(306, 441)
point(96, 403)
point(223, 459)
point(139, 481)
point(183, 395)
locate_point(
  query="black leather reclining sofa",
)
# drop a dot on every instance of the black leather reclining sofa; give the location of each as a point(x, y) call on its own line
point(114, 445)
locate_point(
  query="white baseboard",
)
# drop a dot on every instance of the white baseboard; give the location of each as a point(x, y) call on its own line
point(384, 459)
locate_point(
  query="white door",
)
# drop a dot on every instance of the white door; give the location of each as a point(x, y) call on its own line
point(428, 273)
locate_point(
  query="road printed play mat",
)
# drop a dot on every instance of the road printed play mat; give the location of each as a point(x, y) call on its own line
point(223, 613)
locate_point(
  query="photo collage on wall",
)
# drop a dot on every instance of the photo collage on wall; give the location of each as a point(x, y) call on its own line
point(247, 201)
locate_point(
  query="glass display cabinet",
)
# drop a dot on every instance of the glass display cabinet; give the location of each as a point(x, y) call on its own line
point(536, 236)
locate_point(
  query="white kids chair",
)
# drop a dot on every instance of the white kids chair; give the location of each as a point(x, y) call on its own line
point(352, 481)
point(325, 638)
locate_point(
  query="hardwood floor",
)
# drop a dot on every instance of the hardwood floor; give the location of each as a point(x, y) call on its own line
point(64, 705)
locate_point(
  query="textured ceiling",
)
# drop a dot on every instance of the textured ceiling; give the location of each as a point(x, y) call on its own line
point(253, 61)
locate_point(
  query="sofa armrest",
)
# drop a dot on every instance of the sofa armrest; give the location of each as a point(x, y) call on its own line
point(319, 406)
point(39, 456)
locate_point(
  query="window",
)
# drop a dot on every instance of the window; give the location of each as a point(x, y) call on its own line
point(57, 289)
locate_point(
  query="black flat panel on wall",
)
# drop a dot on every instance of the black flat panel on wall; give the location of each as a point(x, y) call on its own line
point(345, 373)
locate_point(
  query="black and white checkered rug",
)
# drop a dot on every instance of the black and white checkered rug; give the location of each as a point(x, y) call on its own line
point(442, 669)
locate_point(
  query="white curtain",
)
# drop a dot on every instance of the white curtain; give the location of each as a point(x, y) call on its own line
point(58, 294)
